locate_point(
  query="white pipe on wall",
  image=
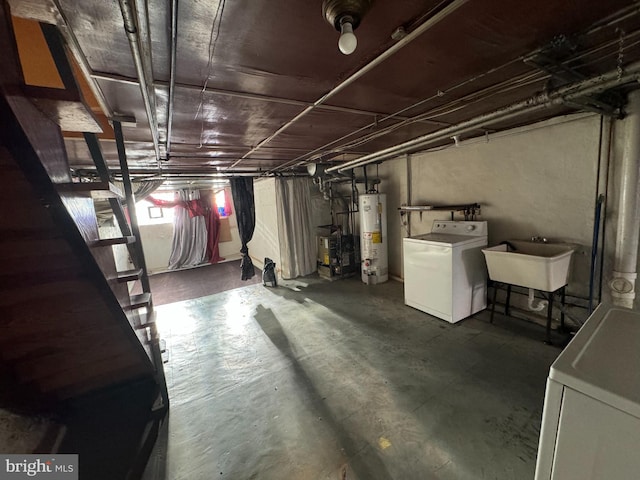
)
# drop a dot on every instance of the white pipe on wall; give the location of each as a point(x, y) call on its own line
point(136, 27)
point(624, 276)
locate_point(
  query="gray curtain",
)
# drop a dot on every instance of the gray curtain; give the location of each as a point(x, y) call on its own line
point(189, 245)
point(297, 235)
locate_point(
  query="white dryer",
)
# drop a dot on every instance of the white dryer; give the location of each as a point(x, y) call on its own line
point(591, 418)
point(444, 271)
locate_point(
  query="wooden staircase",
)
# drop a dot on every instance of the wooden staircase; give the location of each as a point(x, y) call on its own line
point(68, 325)
point(64, 328)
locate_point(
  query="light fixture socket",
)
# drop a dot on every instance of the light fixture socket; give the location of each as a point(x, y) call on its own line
point(336, 11)
point(316, 169)
point(346, 19)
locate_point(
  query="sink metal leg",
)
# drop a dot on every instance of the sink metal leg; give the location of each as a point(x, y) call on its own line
point(508, 302)
point(493, 301)
point(549, 312)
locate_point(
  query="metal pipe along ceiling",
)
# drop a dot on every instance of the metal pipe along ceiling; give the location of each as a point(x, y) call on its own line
point(441, 15)
point(142, 65)
point(558, 97)
point(172, 73)
point(523, 79)
point(110, 77)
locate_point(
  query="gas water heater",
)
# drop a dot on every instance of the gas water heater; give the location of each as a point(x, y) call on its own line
point(373, 238)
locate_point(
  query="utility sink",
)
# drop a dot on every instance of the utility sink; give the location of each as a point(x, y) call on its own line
point(537, 265)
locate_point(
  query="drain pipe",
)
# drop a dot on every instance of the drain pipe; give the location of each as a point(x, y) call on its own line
point(535, 305)
point(136, 27)
point(560, 96)
point(623, 283)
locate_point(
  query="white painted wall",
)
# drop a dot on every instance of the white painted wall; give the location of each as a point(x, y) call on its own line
point(231, 250)
point(538, 180)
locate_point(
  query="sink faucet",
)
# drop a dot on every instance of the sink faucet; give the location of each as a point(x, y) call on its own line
point(539, 239)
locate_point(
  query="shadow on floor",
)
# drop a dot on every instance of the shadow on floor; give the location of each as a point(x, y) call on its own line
point(374, 468)
point(323, 292)
point(343, 381)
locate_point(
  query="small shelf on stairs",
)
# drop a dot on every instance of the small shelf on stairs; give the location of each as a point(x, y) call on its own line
point(97, 190)
point(129, 275)
point(107, 242)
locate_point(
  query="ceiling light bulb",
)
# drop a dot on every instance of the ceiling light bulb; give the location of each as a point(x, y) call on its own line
point(348, 41)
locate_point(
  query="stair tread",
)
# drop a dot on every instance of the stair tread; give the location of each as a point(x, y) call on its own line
point(106, 242)
point(140, 300)
point(129, 275)
point(97, 190)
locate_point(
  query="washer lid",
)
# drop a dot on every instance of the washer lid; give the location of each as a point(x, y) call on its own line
point(603, 359)
point(447, 239)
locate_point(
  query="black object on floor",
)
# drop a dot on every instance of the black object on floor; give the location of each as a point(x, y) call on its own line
point(269, 273)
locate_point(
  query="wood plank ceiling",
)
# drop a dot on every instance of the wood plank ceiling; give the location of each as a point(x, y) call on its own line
point(246, 68)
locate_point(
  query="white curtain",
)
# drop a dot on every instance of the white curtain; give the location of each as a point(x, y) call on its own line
point(189, 245)
point(297, 235)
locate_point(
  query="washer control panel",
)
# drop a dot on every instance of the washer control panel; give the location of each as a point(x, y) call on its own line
point(469, 228)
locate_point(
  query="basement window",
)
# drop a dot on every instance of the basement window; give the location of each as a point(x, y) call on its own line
point(156, 212)
point(221, 203)
point(149, 214)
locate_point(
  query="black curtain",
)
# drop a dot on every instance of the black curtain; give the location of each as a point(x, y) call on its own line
point(242, 192)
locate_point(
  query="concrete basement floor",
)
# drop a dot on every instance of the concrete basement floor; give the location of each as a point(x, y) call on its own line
point(339, 380)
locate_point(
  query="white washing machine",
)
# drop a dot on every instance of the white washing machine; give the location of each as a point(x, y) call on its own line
point(444, 271)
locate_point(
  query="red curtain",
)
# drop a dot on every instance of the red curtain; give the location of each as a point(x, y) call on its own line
point(205, 207)
point(212, 219)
